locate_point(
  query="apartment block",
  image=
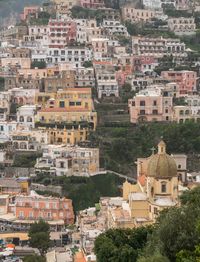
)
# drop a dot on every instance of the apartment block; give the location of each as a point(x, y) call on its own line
point(151, 105)
point(182, 26)
point(158, 47)
point(34, 207)
point(186, 80)
point(66, 160)
point(137, 15)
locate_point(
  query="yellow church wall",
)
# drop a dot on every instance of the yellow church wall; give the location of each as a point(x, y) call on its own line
point(139, 208)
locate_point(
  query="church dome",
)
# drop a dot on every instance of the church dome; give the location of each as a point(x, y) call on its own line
point(161, 165)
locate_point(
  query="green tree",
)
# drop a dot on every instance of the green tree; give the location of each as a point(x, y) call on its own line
point(40, 236)
point(121, 245)
point(87, 64)
point(34, 258)
point(38, 64)
point(154, 258)
point(2, 83)
point(177, 231)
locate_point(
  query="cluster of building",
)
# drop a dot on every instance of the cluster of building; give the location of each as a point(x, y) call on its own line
point(54, 67)
point(20, 207)
point(161, 179)
point(156, 104)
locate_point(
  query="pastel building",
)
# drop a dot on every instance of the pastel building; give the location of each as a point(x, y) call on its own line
point(114, 27)
point(34, 207)
point(136, 15)
point(93, 4)
point(74, 105)
point(61, 32)
point(5, 99)
point(184, 114)
point(26, 116)
point(66, 136)
point(75, 56)
point(157, 47)
point(28, 141)
point(6, 129)
point(29, 10)
point(151, 105)
point(100, 47)
point(21, 96)
point(68, 160)
point(182, 26)
point(187, 80)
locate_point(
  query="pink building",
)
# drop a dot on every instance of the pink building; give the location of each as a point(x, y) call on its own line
point(151, 105)
point(29, 10)
point(93, 4)
point(35, 207)
point(187, 80)
point(61, 33)
point(122, 74)
point(144, 63)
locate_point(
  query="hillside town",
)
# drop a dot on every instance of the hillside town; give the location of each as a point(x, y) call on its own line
point(99, 129)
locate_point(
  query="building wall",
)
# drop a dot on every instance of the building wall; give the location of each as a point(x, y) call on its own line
point(66, 136)
point(132, 14)
point(150, 108)
point(34, 208)
point(187, 80)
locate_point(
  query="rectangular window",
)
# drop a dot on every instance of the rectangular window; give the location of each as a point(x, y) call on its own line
point(21, 213)
point(142, 112)
point(163, 188)
point(62, 104)
point(142, 103)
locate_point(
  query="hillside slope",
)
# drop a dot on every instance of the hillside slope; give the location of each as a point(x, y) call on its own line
point(10, 9)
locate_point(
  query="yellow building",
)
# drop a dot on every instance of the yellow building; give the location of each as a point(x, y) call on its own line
point(73, 105)
point(66, 136)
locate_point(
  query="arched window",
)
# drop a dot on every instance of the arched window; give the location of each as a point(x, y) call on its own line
point(29, 119)
point(21, 119)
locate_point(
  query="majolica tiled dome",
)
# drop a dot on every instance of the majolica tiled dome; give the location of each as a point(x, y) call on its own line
point(162, 165)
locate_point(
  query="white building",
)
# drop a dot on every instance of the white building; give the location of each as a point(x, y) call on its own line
point(74, 55)
point(114, 27)
point(194, 103)
point(84, 77)
point(26, 116)
point(30, 141)
point(107, 84)
point(182, 26)
point(158, 47)
point(158, 4)
point(69, 160)
point(6, 128)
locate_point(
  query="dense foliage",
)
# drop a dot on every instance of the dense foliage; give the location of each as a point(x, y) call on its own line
point(177, 233)
point(39, 235)
point(174, 238)
point(25, 160)
point(83, 191)
point(121, 245)
point(2, 82)
point(121, 146)
point(38, 64)
point(87, 13)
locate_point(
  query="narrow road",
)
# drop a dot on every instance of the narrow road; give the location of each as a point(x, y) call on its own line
point(131, 179)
